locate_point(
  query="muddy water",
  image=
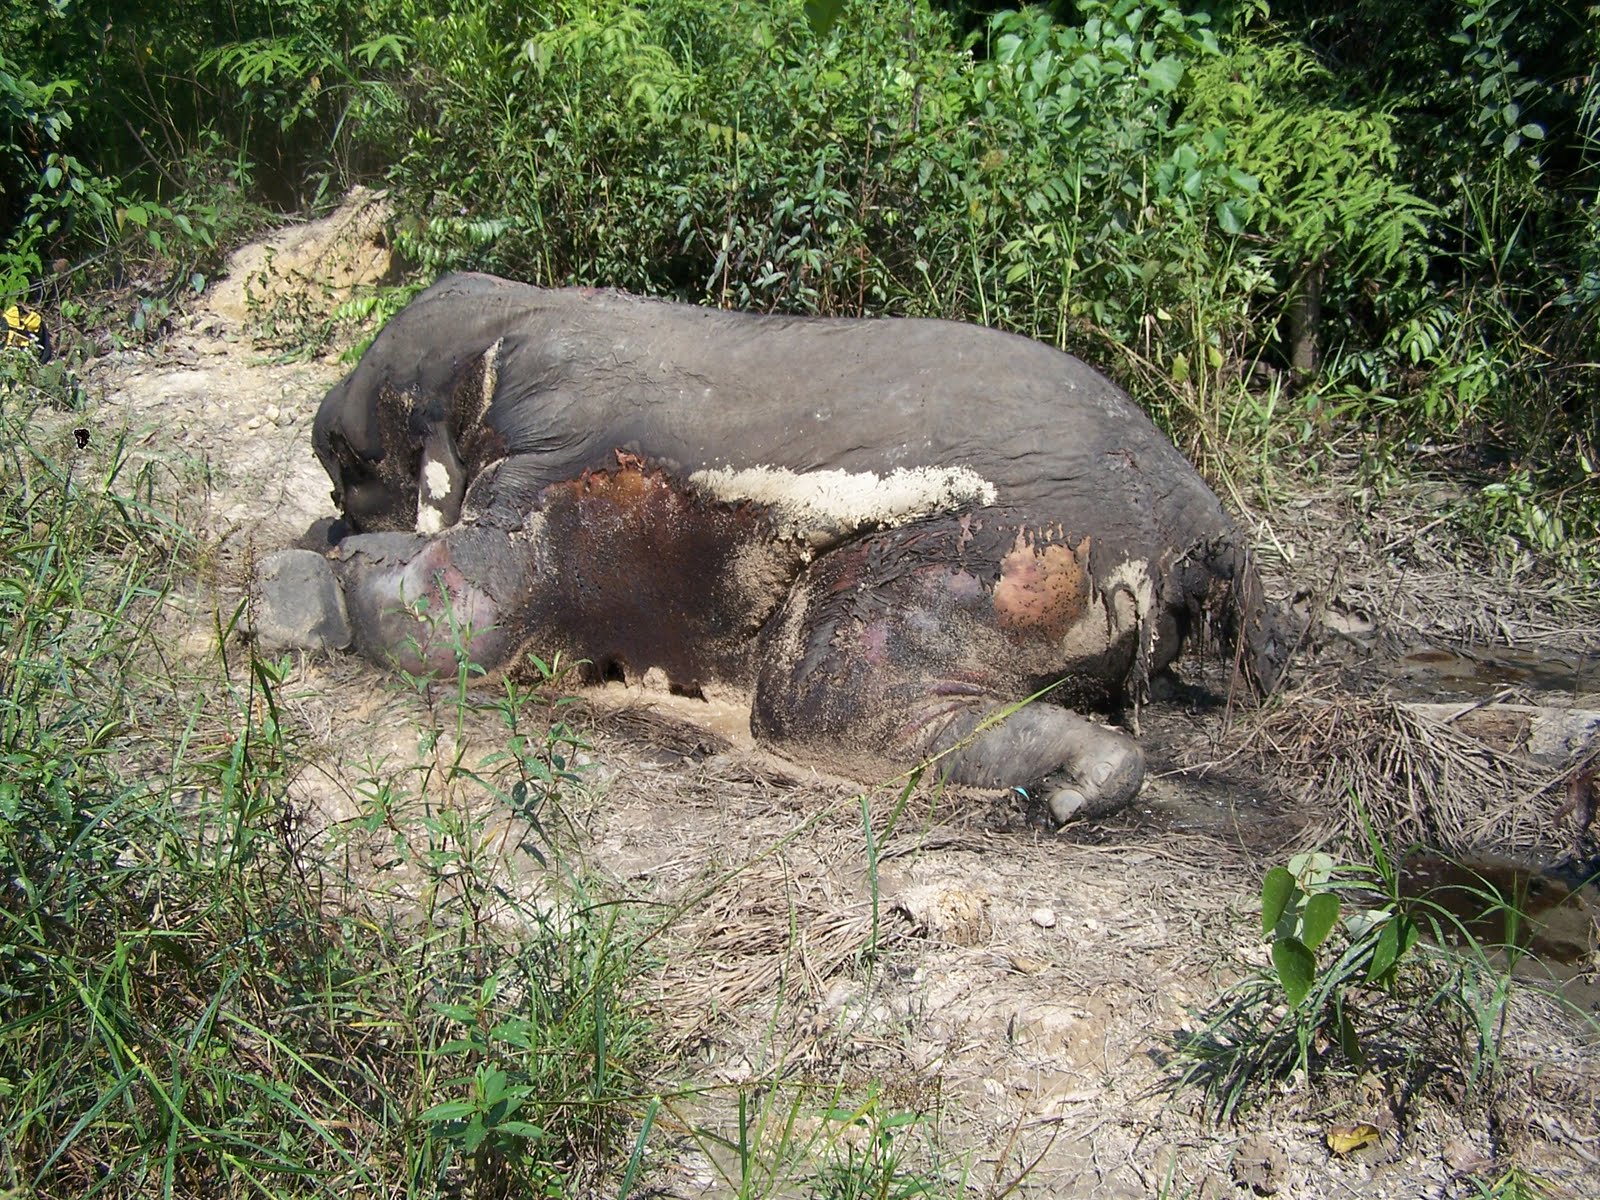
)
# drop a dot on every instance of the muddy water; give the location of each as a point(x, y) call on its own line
point(1438, 673)
point(1555, 925)
point(1549, 922)
point(1557, 930)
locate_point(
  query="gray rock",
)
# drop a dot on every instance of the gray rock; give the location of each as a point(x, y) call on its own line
point(298, 603)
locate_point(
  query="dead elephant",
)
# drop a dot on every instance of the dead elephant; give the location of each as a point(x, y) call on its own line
point(891, 531)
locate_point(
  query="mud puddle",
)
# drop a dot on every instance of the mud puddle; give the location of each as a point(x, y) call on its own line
point(1547, 921)
point(1445, 673)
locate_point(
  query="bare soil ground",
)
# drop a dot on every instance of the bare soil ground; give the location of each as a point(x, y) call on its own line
point(1016, 988)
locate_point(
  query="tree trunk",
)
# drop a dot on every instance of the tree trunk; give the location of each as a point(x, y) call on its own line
point(1305, 312)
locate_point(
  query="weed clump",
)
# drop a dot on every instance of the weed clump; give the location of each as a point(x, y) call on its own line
point(195, 998)
point(1366, 978)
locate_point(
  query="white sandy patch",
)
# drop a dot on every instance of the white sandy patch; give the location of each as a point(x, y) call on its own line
point(436, 478)
point(824, 506)
point(429, 520)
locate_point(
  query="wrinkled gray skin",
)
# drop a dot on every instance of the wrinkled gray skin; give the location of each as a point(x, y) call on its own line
point(891, 530)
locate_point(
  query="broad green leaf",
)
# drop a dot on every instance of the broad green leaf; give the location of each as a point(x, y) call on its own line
point(1321, 913)
point(1297, 967)
point(1312, 869)
point(1410, 935)
point(450, 1110)
point(1244, 181)
point(1231, 217)
point(491, 1084)
point(1277, 893)
point(1397, 937)
point(822, 14)
point(1364, 920)
point(514, 1031)
point(1165, 74)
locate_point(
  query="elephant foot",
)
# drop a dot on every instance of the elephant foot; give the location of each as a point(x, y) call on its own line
point(1078, 767)
point(1110, 783)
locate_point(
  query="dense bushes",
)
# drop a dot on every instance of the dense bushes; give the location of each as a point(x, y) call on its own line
point(1377, 219)
point(1058, 180)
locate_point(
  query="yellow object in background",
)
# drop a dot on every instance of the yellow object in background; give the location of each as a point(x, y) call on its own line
point(25, 329)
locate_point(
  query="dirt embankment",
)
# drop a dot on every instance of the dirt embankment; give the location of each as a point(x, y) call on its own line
point(1017, 988)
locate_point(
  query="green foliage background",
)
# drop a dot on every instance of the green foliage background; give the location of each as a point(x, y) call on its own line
point(1188, 193)
point(1159, 185)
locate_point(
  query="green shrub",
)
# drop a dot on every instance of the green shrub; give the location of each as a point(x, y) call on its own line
point(1400, 206)
point(195, 996)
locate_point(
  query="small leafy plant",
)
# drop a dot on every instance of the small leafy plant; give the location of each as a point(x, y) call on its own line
point(1300, 908)
point(1351, 984)
point(870, 1156)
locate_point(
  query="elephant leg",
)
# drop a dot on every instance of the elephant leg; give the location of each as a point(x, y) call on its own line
point(890, 648)
point(1079, 767)
point(423, 604)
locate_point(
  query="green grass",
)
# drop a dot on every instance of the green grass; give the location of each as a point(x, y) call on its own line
point(835, 1142)
point(194, 1000)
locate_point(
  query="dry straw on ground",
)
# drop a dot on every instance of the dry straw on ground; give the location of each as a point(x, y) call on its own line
point(1418, 780)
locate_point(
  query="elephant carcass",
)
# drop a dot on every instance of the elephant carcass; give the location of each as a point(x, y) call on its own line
point(890, 531)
